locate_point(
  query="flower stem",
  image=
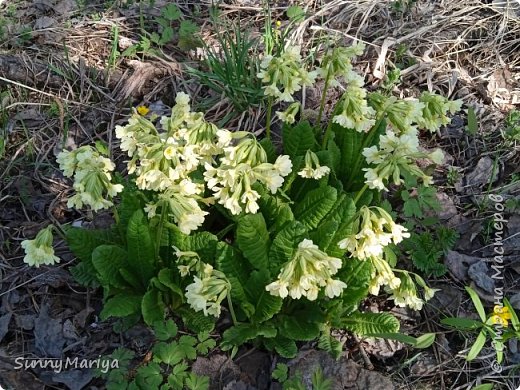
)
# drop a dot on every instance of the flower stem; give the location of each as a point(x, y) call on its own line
point(360, 192)
point(366, 141)
point(323, 96)
point(326, 136)
point(231, 310)
point(268, 118)
point(160, 227)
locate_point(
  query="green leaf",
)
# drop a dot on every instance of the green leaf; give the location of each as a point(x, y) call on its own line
point(168, 353)
point(335, 154)
point(171, 12)
point(370, 323)
point(165, 330)
point(152, 306)
point(319, 382)
point(149, 376)
point(423, 341)
point(472, 127)
point(241, 333)
point(196, 382)
point(253, 239)
point(315, 206)
point(270, 150)
point(295, 13)
point(177, 377)
point(329, 343)
point(484, 386)
point(204, 243)
point(121, 305)
point(85, 274)
point(462, 323)
point(285, 347)
point(237, 272)
point(284, 245)
point(82, 242)
point(276, 212)
point(167, 277)
point(188, 35)
point(298, 139)
point(281, 372)
point(342, 213)
point(196, 321)
point(477, 347)
point(351, 143)
point(266, 305)
point(514, 316)
point(141, 253)
point(206, 345)
point(296, 327)
point(478, 303)
point(108, 260)
point(357, 275)
point(187, 347)
point(324, 234)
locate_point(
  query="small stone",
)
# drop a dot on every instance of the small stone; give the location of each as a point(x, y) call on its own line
point(481, 174)
point(458, 264)
point(478, 273)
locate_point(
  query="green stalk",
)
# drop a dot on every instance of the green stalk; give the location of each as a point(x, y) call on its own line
point(360, 192)
point(323, 96)
point(160, 227)
point(268, 118)
point(366, 142)
point(231, 310)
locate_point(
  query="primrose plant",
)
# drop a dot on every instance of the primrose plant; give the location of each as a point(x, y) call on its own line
point(212, 223)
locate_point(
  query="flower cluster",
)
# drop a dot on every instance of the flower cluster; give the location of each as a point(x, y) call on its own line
point(39, 251)
point(375, 230)
point(501, 315)
point(337, 63)
point(433, 115)
point(289, 115)
point(394, 156)
point(406, 293)
point(166, 162)
point(190, 261)
point(165, 159)
point(285, 74)
point(382, 275)
point(309, 270)
point(354, 112)
point(313, 169)
point(240, 167)
point(208, 291)
point(400, 114)
point(92, 177)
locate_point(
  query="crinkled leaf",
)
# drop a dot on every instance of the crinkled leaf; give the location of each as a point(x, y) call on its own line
point(253, 239)
point(152, 306)
point(108, 259)
point(370, 323)
point(266, 305)
point(298, 139)
point(141, 253)
point(121, 305)
point(315, 206)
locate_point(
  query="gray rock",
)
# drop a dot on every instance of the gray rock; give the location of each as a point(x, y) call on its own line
point(48, 334)
point(345, 374)
point(481, 174)
point(458, 264)
point(448, 209)
point(74, 379)
point(478, 273)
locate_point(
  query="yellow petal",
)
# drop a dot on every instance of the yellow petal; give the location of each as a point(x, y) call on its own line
point(143, 110)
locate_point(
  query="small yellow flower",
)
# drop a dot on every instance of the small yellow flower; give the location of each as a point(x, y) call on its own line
point(143, 110)
point(278, 23)
point(501, 315)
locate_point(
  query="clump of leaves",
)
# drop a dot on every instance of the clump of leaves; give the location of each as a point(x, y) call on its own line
point(427, 249)
point(169, 365)
point(231, 68)
point(173, 26)
point(512, 123)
